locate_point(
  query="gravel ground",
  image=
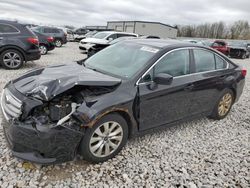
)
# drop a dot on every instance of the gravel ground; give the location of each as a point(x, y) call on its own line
point(201, 153)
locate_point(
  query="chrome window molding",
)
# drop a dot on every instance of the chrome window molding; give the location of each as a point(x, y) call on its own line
point(10, 33)
point(190, 74)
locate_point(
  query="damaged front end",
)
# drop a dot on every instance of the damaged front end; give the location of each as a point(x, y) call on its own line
point(46, 131)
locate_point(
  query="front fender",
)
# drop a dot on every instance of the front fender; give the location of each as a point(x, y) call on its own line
point(95, 108)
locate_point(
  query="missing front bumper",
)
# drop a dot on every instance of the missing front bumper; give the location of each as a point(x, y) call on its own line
point(56, 145)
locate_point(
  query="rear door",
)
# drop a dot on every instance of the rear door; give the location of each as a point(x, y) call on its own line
point(211, 71)
point(162, 104)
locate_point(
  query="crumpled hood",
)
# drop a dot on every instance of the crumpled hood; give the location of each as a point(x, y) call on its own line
point(95, 41)
point(46, 83)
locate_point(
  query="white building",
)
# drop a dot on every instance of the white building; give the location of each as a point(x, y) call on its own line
point(144, 28)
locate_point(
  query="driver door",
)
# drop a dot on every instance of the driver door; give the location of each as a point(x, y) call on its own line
point(162, 104)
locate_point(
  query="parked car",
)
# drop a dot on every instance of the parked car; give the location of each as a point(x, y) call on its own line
point(91, 108)
point(59, 35)
point(248, 46)
point(78, 38)
point(45, 43)
point(102, 38)
point(70, 35)
point(221, 46)
point(239, 49)
point(18, 44)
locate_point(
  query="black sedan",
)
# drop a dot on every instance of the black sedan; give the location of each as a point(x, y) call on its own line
point(92, 107)
point(46, 43)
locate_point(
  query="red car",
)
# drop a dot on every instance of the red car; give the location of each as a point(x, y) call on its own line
point(221, 46)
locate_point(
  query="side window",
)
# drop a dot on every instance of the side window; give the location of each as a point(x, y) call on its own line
point(175, 63)
point(55, 31)
point(204, 60)
point(220, 63)
point(113, 36)
point(7, 29)
point(125, 35)
point(47, 30)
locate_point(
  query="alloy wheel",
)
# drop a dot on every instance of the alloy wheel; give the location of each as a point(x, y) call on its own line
point(225, 104)
point(12, 60)
point(43, 49)
point(106, 139)
point(58, 43)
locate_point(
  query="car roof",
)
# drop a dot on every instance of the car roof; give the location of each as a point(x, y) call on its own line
point(9, 22)
point(163, 43)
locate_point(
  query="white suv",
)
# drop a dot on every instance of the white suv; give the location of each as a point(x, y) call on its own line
point(102, 38)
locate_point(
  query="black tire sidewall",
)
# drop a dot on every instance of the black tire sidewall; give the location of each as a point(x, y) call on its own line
point(84, 145)
point(215, 113)
point(7, 51)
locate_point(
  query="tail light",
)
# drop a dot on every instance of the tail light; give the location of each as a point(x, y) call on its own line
point(33, 40)
point(50, 39)
point(244, 72)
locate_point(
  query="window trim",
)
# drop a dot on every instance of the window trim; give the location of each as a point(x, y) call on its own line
point(190, 74)
point(18, 31)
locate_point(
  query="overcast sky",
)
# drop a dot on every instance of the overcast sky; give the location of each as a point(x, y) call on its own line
point(98, 12)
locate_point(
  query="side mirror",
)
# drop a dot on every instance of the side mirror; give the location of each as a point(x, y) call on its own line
point(110, 39)
point(163, 79)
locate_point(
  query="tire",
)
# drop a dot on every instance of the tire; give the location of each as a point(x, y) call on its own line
point(43, 49)
point(58, 43)
point(222, 108)
point(11, 59)
point(95, 148)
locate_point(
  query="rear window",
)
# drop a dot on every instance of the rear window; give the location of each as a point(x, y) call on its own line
point(204, 60)
point(220, 63)
point(207, 61)
point(7, 29)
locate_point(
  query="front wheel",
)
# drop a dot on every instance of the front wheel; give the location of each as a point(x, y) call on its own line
point(223, 105)
point(105, 139)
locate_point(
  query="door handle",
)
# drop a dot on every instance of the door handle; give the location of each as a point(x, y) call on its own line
point(189, 87)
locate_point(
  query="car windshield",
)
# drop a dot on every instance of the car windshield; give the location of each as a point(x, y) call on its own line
point(101, 35)
point(122, 60)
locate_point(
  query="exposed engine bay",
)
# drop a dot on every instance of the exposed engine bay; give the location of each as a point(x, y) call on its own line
point(60, 109)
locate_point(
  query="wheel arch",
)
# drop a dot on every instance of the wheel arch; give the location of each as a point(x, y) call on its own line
point(124, 113)
point(10, 47)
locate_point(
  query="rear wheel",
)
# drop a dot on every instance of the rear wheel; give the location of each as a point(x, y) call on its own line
point(223, 105)
point(43, 49)
point(11, 59)
point(105, 139)
point(58, 43)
